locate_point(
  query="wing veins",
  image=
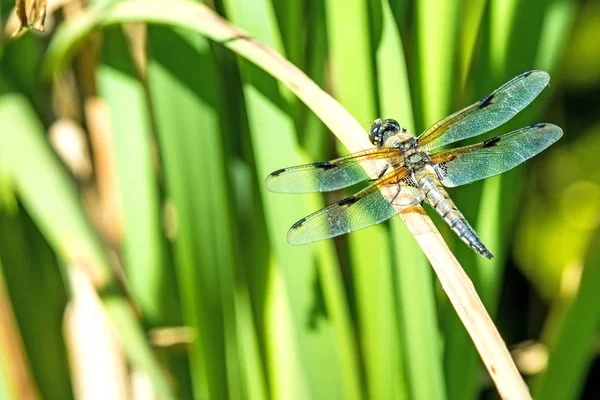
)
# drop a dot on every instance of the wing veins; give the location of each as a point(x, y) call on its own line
point(488, 113)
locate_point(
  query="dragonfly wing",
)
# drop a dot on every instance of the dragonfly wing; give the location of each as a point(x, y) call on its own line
point(336, 174)
point(488, 113)
point(367, 207)
point(494, 156)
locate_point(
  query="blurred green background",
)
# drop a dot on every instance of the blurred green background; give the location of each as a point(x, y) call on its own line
point(141, 257)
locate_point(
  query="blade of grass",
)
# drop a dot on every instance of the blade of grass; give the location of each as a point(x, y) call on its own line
point(494, 207)
point(330, 274)
point(498, 198)
point(251, 357)
point(250, 229)
point(502, 14)
point(29, 267)
point(185, 100)
point(16, 379)
point(275, 147)
point(433, 45)
point(150, 279)
point(290, 17)
point(248, 222)
point(470, 30)
point(50, 198)
point(571, 345)
point(495, 219)
point(149, 274)
point(314, 138)
point(456, 284)
point(435, 39)
point(353, 81)
point(348, 22)
point(558, 17)
point(415, 294)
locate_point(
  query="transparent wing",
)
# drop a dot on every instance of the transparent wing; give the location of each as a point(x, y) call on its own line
point(335, 174)
point(488, 113)
point(367, 207)
point(494, 156)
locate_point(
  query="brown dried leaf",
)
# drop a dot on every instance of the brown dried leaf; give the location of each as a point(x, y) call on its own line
point(33, 19)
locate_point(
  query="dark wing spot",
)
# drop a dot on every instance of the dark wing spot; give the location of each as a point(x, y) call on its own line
point(298, 224)
point(408, 181)
point(486, 101)
point(348, 200)
point(325, 165)
point(539, 125)
point(527, 73)
point(443, 167)
point(491, 142)
point(278, 172)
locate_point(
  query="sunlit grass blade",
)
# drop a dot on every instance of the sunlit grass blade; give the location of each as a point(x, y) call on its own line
point(150, 275)
point(433, 91)
point(570, 347)
point(435, 57)
point(558, 17)
point(498, 196)
point(469, 32)
point(274, 142)
point(250, 354)
point(421, 348)
point(185, 100)
point(502, 16)
point(291, 23)
point(354, 86)
point(392, 75)
point(348, 22)
point(314, 137)
point(49, 197)
point(316, 143)
point(252, 275)
point(338, 310)
point(150, 278)
point(461, 361)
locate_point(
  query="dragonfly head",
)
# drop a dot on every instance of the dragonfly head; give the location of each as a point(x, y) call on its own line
point(382, 129)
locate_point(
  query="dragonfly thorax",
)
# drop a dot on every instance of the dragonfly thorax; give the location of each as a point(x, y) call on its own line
point(406, 143)
point(415, 158)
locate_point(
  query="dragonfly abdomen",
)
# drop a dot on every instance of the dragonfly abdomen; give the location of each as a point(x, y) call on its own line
point(439, 200)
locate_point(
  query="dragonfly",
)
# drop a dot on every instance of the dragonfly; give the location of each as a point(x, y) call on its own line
point(405, 170)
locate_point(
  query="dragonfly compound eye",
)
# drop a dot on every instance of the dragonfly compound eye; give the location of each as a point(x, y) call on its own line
point(392, 124)
point(381, 130)
point(376, 132)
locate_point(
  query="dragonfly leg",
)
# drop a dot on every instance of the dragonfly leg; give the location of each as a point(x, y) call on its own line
point(397, 193)
point(381, 174)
